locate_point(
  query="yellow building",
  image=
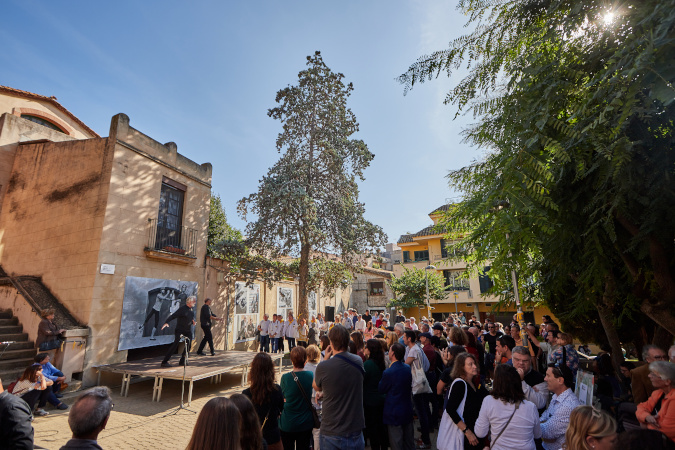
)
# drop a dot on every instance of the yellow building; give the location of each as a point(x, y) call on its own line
point(426, 248)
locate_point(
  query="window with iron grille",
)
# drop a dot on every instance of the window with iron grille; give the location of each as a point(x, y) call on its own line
point(453, 278)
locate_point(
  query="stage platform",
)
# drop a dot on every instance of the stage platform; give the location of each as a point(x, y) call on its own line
point(199, 368)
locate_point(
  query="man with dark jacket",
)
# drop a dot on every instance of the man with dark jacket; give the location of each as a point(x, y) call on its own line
point(16, 431)
point(396, 384)
point(185, 318)
point(205, 318)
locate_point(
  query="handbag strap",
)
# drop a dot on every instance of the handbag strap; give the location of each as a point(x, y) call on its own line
point(507, 424)
point(297, 381)
point(344, 358)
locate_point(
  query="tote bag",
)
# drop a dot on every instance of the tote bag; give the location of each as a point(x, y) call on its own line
point(420, 384)
point(450, 437)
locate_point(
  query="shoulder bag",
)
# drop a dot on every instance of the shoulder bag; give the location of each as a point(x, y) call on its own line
point(315, 415)
point(505, 426)
point(450, 437)
point(420, 384)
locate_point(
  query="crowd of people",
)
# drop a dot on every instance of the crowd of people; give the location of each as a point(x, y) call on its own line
point(361, 379)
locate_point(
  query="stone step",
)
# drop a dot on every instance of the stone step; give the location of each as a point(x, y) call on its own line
point(19, 346)
point(7, 322)
point(10, 329)
point(20, 363)
point(10, 375)
point(17, 353)
point(6, 314)
point(14, 337)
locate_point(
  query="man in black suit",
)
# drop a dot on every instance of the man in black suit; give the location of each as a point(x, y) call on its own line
point(205, 318)
point(185, 318)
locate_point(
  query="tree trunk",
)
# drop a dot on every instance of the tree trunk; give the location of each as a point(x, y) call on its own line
point(303, 311)
point(662, 338)
point(659, 313)
point(607, 320)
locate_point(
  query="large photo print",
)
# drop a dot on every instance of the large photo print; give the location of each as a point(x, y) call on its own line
point(148, 302)
point(246, 300)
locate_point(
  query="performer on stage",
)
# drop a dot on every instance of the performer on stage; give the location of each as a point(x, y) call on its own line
point(205, 317)
point(162, 296)
point(185, 318)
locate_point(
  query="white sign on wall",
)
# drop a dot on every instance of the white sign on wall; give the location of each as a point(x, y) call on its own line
point(108, 269)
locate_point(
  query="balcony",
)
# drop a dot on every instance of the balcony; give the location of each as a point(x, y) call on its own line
point(176, 245)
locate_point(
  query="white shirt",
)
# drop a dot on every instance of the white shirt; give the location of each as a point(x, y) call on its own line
point(274, 329)
point(417, 353)
point(413, 326)
point(360, 325)
point(291, 329)
point(264, 327)
point(537, 394)
point(523, 429)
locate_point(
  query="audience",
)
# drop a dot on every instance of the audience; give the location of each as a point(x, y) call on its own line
point(88, 417)
point(33, 387)
point(658, 412)
point(217, 426)
point(296, 421)
point(590, 429)
point(555, 419)
point(250, 434)
point(373, 401)
point(266, 398)
point(56, 376)
point(16, 431)
point(511, 420)
point(396, 385)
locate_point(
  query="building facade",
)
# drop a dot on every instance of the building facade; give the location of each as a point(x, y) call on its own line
point(428, 247)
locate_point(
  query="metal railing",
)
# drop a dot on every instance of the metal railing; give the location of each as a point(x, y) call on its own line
point(180, 241)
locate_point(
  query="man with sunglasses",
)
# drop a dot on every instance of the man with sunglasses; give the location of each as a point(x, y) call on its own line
point(556, 418)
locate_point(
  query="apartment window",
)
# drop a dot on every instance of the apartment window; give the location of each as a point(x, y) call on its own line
point(422, 255)
point(406, 257)
point(444, 249)
point(485, 281)
point(453, 279)
point(170, 215)
point(377, 288)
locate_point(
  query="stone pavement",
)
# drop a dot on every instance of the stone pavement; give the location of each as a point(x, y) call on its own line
point(137, 422)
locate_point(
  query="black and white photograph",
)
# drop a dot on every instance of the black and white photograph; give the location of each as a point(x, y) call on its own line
point(147, 304)
point(247, 299)
point(285, 297)
point(311, 304)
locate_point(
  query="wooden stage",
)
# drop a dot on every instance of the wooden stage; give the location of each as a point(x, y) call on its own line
point(199, 368)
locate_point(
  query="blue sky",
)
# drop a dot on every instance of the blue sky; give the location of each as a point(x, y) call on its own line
point(204, 73)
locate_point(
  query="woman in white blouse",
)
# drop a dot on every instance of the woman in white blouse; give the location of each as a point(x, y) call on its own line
point(511, 421)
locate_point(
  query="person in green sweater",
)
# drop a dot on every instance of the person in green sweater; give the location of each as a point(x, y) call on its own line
point(373, 401)
point(296, 421)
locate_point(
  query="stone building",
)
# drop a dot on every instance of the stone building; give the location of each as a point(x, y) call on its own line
point(82, 213)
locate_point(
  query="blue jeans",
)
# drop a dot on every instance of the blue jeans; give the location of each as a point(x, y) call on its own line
point(275, 345)
point(353, 441)
point(264, 344)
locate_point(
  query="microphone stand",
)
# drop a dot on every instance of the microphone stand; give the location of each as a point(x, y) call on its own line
point(176, 410)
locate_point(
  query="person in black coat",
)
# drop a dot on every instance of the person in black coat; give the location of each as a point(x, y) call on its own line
point(185, 318)
point(16, 431)
point(205, 318)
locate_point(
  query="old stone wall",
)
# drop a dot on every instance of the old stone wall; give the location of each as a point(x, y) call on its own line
point(52, 217)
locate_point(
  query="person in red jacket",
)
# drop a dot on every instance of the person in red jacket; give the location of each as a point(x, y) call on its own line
point(658, 412)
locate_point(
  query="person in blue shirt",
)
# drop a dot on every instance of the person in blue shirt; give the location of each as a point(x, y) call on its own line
point(52, 373)
point(396, 384)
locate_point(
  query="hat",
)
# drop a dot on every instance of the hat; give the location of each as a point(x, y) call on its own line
point(426, 335)
point(390, 328)
point(438, 326)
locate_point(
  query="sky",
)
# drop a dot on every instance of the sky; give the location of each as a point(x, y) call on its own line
point(204, 73)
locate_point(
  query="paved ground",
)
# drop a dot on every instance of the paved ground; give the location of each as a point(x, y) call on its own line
point(138, 423)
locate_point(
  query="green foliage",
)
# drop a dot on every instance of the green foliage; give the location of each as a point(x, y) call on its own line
point(219, 230)
point(307, 205)
point(410, 289)
point(577, 116)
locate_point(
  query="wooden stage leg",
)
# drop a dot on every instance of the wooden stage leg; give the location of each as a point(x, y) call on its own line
point(190, 393)
point(159, 392)
point(126, 392)
point(124, 380)
point(154, 390)
point(243, 375)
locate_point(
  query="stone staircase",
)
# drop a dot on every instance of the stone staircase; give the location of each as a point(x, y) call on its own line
point(17, 356)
